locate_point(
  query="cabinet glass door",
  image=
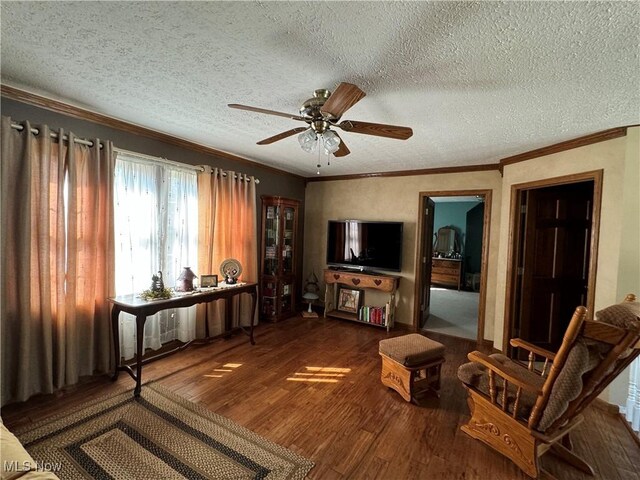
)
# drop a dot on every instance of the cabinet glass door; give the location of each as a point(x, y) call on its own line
point(286, 301)
point(271, 231)
point(269, 296)
point(288, 238)
point(278, 275)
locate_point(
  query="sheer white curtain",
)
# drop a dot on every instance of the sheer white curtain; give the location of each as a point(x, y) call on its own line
point(632, 407)
point(156, 229)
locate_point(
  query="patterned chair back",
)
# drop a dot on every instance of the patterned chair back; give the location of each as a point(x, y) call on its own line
point(592, 354)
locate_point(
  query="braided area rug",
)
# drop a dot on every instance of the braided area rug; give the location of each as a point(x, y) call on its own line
point(158, 436)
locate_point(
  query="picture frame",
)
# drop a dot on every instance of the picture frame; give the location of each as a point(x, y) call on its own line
point(208, 281)
point(349, 299)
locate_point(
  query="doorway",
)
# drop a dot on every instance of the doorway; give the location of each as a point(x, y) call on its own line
point(552, 256)
point(450, 281)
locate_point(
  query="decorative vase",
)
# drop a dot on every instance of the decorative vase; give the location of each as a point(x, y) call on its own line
point(185, 280)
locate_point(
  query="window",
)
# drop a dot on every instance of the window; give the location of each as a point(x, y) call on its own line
point(156, 229)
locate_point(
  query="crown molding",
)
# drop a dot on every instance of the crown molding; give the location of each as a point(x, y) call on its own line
point(84, 114)
point(566, 145)
point(410, 173)
point(521, 157)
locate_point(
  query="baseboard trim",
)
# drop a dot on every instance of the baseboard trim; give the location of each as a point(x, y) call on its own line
point(405, 327)
point(606, 407)
point(488, 344)
point(627, 425)
point(614, 411)
point(484, 343)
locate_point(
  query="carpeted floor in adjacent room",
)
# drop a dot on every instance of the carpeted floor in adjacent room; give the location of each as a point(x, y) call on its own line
point(453, 312)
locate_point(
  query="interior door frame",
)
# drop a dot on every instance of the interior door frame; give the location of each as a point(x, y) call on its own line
point(514, 221)
point(425, 250)
point(486, 223)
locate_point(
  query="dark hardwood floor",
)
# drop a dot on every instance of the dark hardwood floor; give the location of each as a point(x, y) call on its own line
point(313, 385)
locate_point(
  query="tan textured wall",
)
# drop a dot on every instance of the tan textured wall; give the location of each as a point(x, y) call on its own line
point(394, 199)
point(608, 156)
point(629, 268)
point(629, 264)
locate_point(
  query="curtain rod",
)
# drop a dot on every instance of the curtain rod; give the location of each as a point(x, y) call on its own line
point(243, 176)
point(154, 159)
point(65, 138)
point(200, 168)
point(89, 143)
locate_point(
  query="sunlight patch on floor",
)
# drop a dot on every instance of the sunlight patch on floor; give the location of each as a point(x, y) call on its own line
point(328, 369)
point(226, 368)
point(320, 375)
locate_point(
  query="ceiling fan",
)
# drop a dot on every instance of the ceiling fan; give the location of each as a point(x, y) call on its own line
point(321, 113)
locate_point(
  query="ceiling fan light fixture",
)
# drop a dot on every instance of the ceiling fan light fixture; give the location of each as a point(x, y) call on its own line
point(331, 141)
point(307, 140)
point(323, 112)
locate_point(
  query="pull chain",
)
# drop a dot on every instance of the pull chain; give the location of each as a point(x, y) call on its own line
point(320, 148)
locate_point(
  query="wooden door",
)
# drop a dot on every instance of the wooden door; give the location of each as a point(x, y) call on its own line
point(426, 254)
point(473, 239)
point(553, 246)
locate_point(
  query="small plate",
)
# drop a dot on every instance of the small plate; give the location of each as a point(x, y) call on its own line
point(230, 268)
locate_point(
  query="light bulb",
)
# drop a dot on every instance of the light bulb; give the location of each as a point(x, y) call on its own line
point(308, 140)
point(331, 141)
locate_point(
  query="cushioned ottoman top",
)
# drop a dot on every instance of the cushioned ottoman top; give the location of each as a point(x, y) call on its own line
point(412, 349)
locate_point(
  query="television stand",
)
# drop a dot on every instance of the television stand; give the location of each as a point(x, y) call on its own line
point(360, 280)
point(360, 270)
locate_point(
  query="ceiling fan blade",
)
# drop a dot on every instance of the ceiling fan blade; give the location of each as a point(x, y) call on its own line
point(264, 110)
point(345, 96)
point(377, 129)
point(282, 135)
point(342, 151)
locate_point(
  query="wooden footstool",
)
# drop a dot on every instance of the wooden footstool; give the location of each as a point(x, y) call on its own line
point(410, 364)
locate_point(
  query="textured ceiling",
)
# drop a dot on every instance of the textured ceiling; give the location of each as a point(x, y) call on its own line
point(476, 81)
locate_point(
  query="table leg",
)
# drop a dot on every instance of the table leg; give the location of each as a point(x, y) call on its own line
point(228, 306)
point(115, 329)
point(206, 321)
point(140, 319)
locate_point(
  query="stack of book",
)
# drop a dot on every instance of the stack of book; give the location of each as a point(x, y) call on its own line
point(375, 315)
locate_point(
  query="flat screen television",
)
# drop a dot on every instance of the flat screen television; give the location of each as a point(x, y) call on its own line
point(363, 245)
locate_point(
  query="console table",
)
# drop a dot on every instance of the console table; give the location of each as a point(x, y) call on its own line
point(384, 283)
point(143, 308)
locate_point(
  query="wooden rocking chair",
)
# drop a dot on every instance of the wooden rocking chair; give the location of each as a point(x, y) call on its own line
point(524, 412)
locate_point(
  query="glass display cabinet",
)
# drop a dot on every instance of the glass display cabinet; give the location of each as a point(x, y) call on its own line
point(278, 255)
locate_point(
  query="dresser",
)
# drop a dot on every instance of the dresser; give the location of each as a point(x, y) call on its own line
point(446, 272)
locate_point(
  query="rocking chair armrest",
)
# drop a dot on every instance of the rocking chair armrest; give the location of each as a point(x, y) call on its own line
point(497, 367)
point(518, 342)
